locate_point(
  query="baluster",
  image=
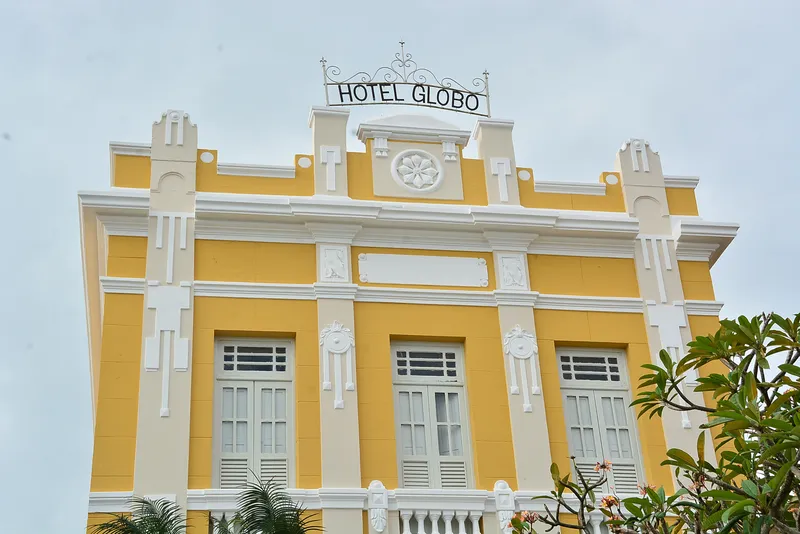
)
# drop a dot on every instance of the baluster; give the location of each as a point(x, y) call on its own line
point(475, 517)
point(447, 515)
point(405, 515)
point(461, 517)
point(435, 515)
point(420, 516)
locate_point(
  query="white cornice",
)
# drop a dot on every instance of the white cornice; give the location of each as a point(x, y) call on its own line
point(412, 133)
point(694, 230)
point(326, 110)
point(581, 303)
point(397, 295)
point(703, 307)
point(109, 501)
point(570, 188)
point(403, 295)
point(683, 182)
point(509, 241)
point(125, 286)
point(129, 149)
point(117, 198)
point(343, 498)
point(257, 231)
point(124, 225)
point(225, 500)
point(695, 251)
point(260, 171)
point(583, 246)
point(515, 298)
point(421, 239)
point(254, 290)
point(333, 233)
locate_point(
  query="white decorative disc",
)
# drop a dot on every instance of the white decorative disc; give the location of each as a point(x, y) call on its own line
point(611, 179)
point(417, 170)
point(522, 347)
point(524, 175)
point(206, 157)
point(304, 162)
point(337, 342)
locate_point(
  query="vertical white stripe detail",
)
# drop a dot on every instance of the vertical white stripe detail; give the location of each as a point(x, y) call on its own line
point(166, 344)
point(338, 402)
point(170, 248)
point(645, 253)
point(662, 291)
point(350, 385)
point(184, 224)
point(159, 230)
point(526, 398)
point(665, 249)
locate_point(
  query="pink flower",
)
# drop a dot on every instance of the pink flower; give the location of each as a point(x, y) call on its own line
point(604, 466)
point(608, 501)
point(530, 517)
point(644, 487)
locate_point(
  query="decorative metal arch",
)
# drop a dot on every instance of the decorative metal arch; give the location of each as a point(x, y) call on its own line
point(403, 70)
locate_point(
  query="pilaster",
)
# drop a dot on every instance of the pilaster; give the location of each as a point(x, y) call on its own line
point(162, 438)
point(659, 279)
point(329, 132)
point(520, 349)
point(341, 460)
point(496, 149)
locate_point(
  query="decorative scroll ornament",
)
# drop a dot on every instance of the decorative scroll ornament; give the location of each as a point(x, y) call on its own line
point(520, 345)
point(378, 503)
point(403, 82)
point(337, 341)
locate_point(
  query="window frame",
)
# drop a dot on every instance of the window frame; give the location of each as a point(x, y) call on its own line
point(430, 386)
point(592, 388)
point(254, 379)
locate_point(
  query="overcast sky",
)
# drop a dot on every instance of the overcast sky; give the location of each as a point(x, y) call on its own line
point(713, 85)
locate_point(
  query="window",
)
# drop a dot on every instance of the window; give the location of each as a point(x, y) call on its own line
point(430, 410)
point(600, 422)
point(253, 424)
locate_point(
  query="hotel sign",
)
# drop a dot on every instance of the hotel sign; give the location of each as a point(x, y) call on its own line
point(404, 83)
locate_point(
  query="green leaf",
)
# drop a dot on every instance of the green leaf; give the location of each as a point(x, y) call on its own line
point(722, 495)
point(790, 369)
point(750, 487)
point(737, 508)
point(701, 446)
point(681, 456)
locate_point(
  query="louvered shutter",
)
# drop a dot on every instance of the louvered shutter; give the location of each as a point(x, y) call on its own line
point(617, 438)
point(414, 438)
point(583, 431)
point(271, 438)
point(448, 410)
point(236, 433)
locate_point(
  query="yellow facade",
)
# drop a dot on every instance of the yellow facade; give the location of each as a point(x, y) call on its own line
point(226, 265)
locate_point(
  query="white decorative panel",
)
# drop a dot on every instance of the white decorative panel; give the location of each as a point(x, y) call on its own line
point(168, 302)
point(333, 263)
point(522, 351)
point(423, 270)
point(513, 274)
point(330, 156)
point(337, 343)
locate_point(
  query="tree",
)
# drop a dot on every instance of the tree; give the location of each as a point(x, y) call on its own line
point(148, 517)
point(755, 488)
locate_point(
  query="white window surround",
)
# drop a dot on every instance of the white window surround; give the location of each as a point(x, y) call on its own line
point(601, 409)
point(434, 407)
point(258, 372)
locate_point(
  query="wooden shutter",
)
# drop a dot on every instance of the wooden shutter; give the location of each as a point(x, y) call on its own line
point(583, 431)
point(236, 433)
point(447, 407)
point(618, 439)
point(414, 438)
point(272, 435)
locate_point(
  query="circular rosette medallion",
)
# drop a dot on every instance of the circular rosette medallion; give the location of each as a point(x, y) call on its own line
point(417, 170)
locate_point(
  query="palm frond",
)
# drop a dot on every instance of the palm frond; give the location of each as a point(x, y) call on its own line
point(159, 516)
point(119, 524)
point(265, 508)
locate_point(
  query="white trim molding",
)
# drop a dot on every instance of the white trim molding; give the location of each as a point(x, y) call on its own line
point(129, 149)
point(693, 235)
point(681, 182)
point(570, 188)
point(582, 246)
point(704, 307)
point(258, 171)
point(581, 303)
point(399, 295)
point(121, 285)
point(337, 343)
point(109, 501)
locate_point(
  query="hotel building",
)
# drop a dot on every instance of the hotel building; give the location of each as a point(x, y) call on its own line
point(403, 337)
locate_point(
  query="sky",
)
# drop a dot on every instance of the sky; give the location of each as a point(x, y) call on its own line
point(712, 86)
